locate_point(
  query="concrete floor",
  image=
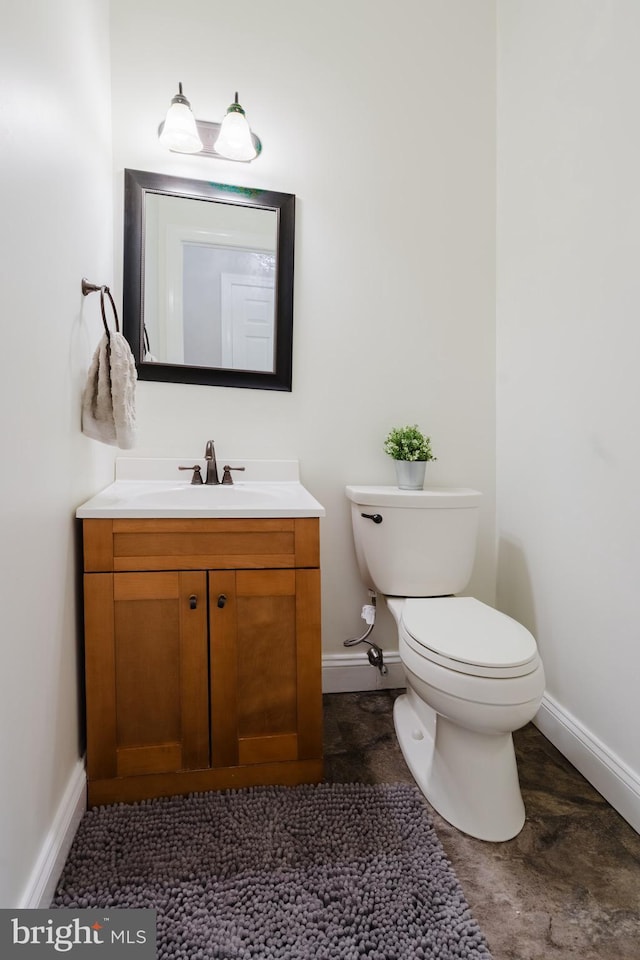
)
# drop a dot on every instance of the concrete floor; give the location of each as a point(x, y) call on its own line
point(568, 886)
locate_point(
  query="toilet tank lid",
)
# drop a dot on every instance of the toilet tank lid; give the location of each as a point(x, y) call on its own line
point(434, 497)
point(466, 630)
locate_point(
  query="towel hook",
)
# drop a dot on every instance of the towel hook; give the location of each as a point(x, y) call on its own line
point(88, 288)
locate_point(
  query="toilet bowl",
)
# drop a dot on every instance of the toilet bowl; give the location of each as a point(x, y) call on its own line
point(473, 674)
point(454, 725)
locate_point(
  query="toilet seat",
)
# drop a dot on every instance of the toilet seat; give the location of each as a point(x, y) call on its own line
point(467, 636)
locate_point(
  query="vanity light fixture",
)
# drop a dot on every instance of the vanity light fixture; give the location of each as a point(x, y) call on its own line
point(179, 132)
point(230, 140)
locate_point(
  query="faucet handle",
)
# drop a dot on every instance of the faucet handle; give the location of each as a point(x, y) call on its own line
point(226, 475)
point(197, 476)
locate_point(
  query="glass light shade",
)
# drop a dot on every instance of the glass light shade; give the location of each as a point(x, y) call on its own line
point(180, 132)
point(234, 140)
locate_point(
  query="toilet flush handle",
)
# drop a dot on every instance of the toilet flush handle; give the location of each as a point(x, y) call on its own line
point(372, 516)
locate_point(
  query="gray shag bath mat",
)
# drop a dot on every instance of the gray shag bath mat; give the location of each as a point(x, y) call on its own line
point(333, 872)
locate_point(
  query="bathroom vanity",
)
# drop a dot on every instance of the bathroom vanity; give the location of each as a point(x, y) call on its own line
point(202, 637)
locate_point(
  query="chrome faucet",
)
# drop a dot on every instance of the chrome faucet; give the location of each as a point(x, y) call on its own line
point(212, 467)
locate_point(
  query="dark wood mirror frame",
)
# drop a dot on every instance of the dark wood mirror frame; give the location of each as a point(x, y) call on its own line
point(137, 184)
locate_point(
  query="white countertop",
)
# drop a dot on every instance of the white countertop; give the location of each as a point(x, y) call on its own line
point(155, 488)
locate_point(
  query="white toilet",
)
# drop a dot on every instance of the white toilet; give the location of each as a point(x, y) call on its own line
point(473, 674)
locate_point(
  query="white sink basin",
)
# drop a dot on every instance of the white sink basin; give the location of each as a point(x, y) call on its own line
point(167, 498)
point(245, 494)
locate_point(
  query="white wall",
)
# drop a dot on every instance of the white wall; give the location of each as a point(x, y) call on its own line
point(394, 273)
point(568, 383)
point(55, 227)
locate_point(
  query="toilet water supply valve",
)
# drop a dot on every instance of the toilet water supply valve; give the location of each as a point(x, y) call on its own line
point(374, 653)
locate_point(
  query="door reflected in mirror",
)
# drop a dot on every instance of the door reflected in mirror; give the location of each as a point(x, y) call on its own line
point(208, 282)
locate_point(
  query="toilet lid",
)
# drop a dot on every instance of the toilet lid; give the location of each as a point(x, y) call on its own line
point(475, 637)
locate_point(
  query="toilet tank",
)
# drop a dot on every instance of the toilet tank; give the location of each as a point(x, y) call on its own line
point(420, 543)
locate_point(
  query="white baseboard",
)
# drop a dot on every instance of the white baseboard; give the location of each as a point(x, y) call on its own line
point(617, 783)
point(349, 672)
point(41, 885)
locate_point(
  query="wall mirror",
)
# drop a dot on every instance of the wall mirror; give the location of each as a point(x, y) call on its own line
point(208, 281)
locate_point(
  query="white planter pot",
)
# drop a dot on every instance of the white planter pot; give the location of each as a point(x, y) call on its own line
point(410, 474)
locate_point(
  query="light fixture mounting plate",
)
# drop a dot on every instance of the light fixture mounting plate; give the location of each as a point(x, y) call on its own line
point(209, 134)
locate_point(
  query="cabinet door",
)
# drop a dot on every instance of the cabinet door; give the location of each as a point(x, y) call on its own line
point(146, 673)
point(266, 696)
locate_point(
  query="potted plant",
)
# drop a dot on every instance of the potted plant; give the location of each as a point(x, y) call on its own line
point(411, 450)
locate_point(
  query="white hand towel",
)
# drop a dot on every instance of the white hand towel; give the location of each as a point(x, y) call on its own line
point(108, 401)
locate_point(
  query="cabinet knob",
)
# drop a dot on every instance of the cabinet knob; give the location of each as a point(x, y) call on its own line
point(222, 600)
point(193, 601)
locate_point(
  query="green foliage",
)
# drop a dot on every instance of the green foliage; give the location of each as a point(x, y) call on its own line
point(408, 443)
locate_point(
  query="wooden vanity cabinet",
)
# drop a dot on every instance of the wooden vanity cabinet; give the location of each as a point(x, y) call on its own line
point(202, 655)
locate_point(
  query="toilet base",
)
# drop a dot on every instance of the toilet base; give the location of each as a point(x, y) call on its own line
point(470, 778)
